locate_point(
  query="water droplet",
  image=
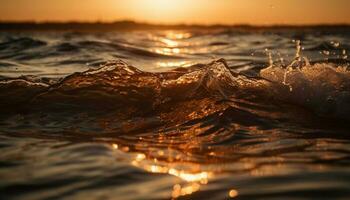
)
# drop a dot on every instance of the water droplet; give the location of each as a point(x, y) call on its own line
point(233, 193)
point(335, 44)
point(344, 54)
point(326, 52)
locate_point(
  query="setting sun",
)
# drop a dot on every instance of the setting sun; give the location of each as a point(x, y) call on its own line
point(160, 11)
point(162, 5)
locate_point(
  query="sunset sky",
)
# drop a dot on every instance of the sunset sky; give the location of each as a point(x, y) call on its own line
point(261, 12)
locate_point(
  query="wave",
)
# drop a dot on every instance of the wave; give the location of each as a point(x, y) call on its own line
point(183, 95)
point(24, 49)
point(322, 87)
point(19, 44)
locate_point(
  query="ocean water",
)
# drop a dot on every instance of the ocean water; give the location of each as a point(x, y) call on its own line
point(184, 114)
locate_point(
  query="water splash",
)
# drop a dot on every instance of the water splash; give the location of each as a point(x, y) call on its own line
point(324, 87)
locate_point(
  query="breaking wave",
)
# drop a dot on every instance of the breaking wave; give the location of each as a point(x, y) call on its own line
point(177, 97)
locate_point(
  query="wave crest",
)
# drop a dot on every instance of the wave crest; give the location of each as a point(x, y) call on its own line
point(322, 88)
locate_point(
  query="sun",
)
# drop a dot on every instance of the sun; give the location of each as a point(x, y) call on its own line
point(162, 5)
point(162, 11)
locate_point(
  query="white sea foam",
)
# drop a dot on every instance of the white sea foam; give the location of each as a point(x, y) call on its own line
point(322, 87)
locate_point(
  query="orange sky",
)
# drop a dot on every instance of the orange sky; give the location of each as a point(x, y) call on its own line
point(260, 12)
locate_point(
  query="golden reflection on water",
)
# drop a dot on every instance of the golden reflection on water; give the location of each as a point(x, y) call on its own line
point(140, 157)
point(175, 44)
point(115, 146)
point(178, 35)
point(200, 177)
point(171, 43)
point(179, 190)
point(168, 51)
point(168, 42)
point(172, 64)
point(193, 180)
point(233, 193)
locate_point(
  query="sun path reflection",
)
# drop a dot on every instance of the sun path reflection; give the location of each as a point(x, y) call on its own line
point(193, 180)
point(178, 49)
point(171, 43)
point(173, 64)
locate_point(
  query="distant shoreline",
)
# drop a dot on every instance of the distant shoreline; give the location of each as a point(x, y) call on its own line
point(131, 25)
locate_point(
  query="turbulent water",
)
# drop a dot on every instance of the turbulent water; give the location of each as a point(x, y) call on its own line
point(186, 114)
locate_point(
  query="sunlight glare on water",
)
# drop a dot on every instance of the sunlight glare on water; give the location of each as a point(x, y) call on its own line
point(187, 114)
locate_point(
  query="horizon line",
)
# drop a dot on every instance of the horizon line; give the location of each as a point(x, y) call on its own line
point(131, 24)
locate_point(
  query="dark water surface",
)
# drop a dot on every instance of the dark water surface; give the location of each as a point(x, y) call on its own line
point(175, 114)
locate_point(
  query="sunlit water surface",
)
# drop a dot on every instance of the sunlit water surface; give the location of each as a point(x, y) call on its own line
point(175, 114)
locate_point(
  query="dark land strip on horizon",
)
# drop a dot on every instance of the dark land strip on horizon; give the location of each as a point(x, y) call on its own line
point(132, 25)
